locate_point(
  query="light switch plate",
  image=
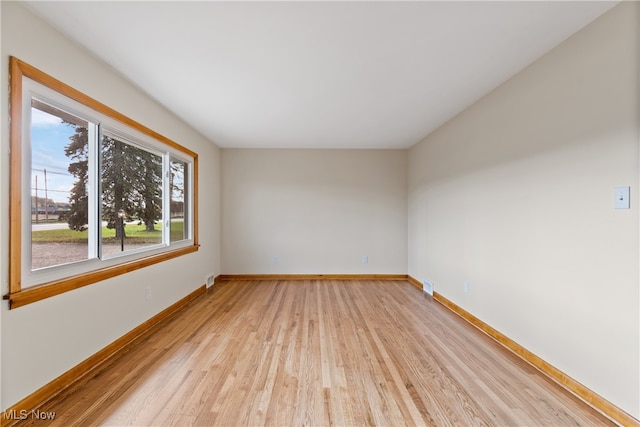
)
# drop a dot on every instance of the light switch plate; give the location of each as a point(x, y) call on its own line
point(622, 198)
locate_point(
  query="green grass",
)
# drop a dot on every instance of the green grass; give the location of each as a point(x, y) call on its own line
point(134, 234)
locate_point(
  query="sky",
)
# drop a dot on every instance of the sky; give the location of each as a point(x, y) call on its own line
point(49, 136)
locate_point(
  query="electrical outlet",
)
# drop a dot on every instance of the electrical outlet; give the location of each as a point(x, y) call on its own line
point(210, 279)
point(465, 287)
point(276, 259)
point(365, 259)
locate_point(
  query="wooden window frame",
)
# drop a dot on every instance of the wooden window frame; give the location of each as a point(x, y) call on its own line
point(17, 296)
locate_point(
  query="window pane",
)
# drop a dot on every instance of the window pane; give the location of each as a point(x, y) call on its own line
point(179, 202)
point(59, 202)
point(131, 189)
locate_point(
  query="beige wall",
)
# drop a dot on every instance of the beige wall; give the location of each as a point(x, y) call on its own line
point(515, 197)
point(42, 340)
point(319, 211)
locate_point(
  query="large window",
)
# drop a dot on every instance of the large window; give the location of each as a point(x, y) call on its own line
point(93, 193)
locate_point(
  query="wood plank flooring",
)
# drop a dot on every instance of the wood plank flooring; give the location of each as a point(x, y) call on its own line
point(315, 353)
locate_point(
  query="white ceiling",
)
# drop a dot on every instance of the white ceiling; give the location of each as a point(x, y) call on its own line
point(318, 74)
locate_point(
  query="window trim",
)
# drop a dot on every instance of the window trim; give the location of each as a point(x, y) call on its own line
point(18, 297)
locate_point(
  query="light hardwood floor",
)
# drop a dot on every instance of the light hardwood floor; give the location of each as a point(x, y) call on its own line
point(314, 353)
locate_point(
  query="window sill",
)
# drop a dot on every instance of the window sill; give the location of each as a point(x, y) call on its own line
point(46, 290)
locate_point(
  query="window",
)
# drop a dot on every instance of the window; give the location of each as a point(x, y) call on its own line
point(179, 201)
point(93, 193)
